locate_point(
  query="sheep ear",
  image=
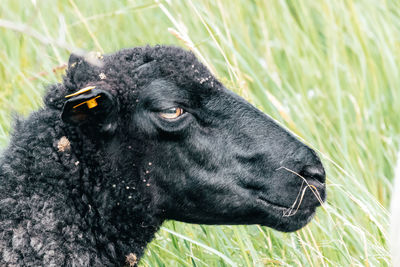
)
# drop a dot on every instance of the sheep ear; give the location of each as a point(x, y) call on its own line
point(91, 108)
point(91, 58)
point(73, 61)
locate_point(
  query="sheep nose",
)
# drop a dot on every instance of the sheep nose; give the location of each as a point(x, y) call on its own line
point(315, 172)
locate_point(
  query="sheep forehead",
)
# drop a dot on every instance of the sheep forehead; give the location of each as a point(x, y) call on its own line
point(175, 63)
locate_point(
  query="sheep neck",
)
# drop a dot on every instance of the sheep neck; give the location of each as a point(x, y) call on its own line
point(114, 204)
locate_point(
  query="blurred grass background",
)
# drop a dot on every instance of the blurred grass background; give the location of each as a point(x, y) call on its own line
point(327, 70)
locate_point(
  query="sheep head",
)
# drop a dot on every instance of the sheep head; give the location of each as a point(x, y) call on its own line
point(196, 151)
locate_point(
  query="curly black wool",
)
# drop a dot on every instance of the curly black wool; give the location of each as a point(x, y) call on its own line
point(84, 186)
point(72, 207)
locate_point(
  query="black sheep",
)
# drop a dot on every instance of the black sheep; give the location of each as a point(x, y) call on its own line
point(131, 139)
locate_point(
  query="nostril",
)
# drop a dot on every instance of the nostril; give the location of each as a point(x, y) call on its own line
point(314, 172)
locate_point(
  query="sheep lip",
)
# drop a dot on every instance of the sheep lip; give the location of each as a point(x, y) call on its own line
point(283, 208)
point(266, 201)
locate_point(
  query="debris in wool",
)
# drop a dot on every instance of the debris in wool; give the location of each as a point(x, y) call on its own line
point(64, 145)
point(131, 259)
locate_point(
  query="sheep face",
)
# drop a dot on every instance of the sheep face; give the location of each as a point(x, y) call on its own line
point(197, 151)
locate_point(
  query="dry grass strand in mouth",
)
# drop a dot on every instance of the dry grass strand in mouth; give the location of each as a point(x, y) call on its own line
point(290, 212)
point(301, 193)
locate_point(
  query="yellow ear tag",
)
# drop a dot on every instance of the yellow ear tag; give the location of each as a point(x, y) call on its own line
point(91, 103)
point(83, 90)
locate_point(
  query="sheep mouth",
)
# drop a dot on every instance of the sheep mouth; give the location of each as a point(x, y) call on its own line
point(286, 219)
point(263, 199)
point(287, 211)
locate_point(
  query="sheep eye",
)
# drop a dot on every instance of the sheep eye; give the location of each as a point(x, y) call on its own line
point(171, 113)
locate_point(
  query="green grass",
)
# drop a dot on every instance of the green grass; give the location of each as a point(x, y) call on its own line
point(327, 70)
